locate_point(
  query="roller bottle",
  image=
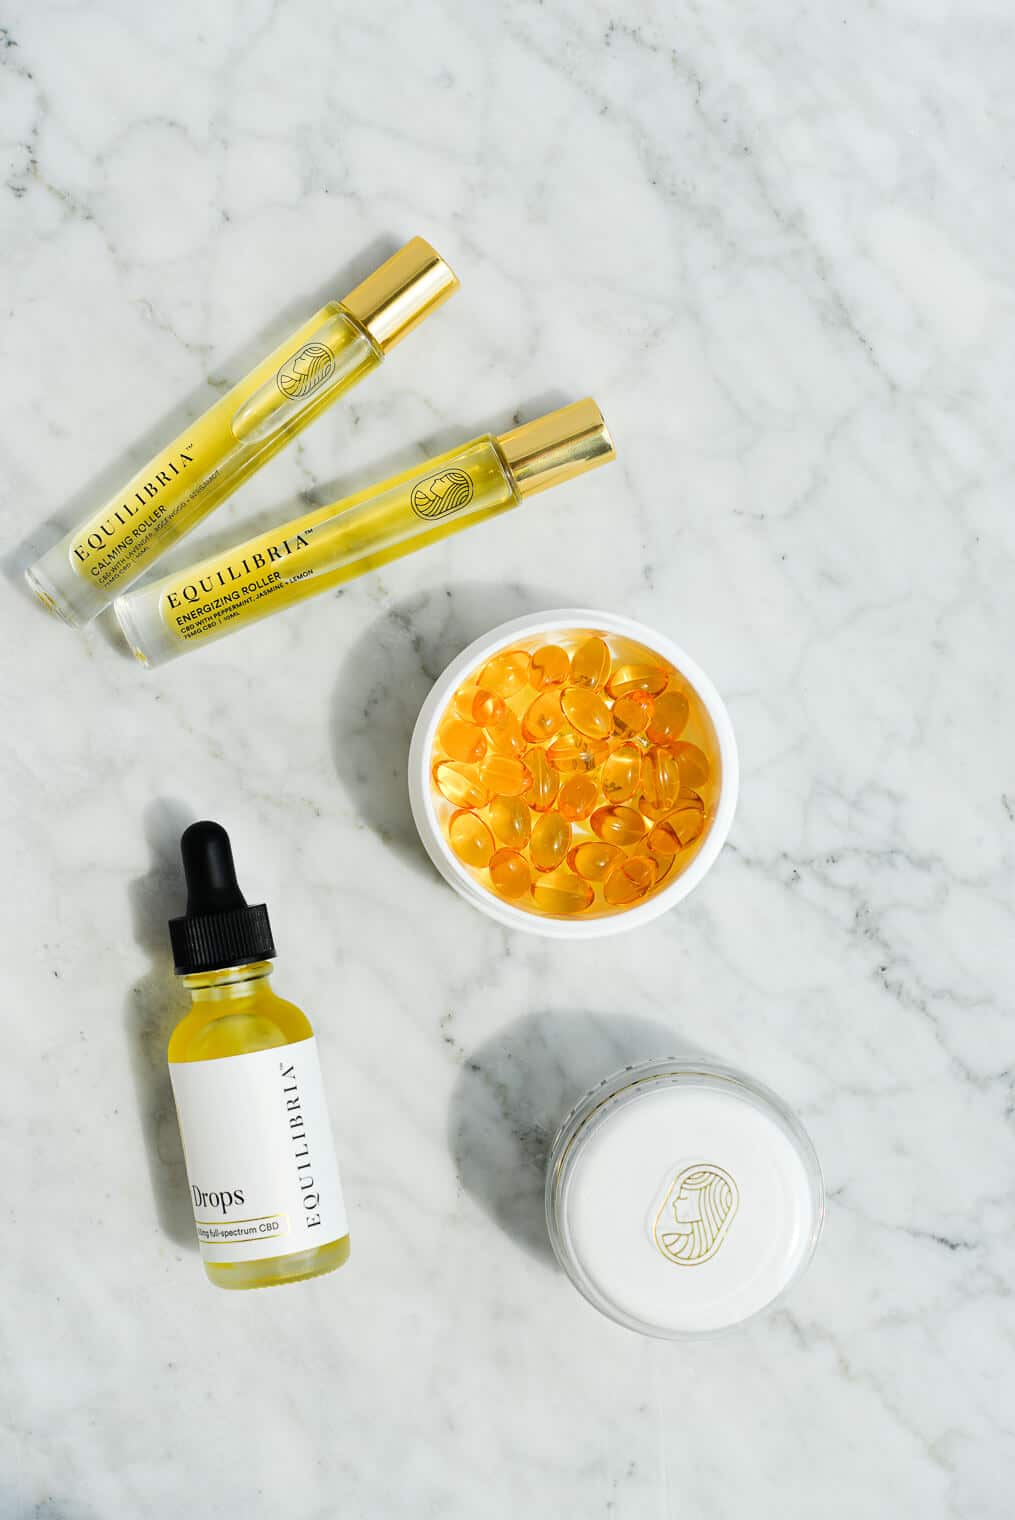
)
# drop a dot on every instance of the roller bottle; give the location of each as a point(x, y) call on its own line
point(333, 544)
point(339, 346)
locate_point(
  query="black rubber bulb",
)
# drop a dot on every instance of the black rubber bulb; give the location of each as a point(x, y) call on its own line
point(218, 929)
point(208, 867)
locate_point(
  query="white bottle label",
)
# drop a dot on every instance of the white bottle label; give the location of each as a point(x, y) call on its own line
point(260, 1157)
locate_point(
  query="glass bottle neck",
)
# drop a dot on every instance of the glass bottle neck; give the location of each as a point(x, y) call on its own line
point(231, 984)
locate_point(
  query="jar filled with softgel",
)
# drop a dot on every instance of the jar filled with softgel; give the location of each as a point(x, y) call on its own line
point(573, 773)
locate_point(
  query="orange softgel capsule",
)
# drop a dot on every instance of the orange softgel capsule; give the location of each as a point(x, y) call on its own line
point(548, 845)
point(618, 824)
point(590, 663)
point(506, 673)
point(542, 790)
point(506, 737)
point(678, 828)
point(574, 752)
point(669, 717)
point(474, 705)
point(626, 679)
point(562, 894)
point(587, 712)
point(471, 840)
point(575, 776)
point(629, 880)
point(550, 666)
point(510, 873)
point(633, 713)
point(664, 867)
point(462, 741)
point(593, 859)
point(511, 821)
point(660, 782)
point(505, 775)
point(461, 785)
point(621, 773)
point(543, 717)
point(577, 798)
point(694, 766)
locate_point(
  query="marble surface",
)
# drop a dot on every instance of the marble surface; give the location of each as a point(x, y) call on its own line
point(776, 243)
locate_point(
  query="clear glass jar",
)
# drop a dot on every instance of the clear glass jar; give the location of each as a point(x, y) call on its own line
point(683, 1198)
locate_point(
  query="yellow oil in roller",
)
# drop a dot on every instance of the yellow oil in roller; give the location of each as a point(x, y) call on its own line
point(330, 545)
point(339, 346)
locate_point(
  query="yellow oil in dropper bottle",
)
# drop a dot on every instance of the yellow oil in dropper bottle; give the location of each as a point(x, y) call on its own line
point(261, 1165)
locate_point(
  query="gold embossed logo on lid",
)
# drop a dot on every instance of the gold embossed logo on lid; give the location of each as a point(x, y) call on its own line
point(695, 1216)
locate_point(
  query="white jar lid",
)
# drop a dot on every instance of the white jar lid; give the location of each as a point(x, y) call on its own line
point(682, 1200)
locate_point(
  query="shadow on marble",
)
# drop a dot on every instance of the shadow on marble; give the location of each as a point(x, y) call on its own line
point(111, 634)
point(154, 1006)
point(383, 681)
point(99, 487)
point(515, 1090)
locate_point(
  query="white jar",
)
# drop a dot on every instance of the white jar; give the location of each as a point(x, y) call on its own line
point(421, 795)
point(683, 1198)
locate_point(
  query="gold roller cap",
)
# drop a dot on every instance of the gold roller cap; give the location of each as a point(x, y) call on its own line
point(556, 447)
point(406, 288)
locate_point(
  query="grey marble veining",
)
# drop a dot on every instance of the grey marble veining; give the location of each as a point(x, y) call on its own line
point(775, 243)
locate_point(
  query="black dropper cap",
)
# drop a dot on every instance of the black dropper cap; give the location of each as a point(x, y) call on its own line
point(218, 929)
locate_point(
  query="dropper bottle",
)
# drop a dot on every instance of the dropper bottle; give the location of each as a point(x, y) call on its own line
point(333, 544)
point(246, 1077)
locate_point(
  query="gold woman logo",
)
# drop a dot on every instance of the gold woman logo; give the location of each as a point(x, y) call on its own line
point(696, 1214)
point(305, 371)
point(440, 495)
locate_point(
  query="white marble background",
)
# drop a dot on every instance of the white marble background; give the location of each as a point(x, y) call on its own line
point(775, 241)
